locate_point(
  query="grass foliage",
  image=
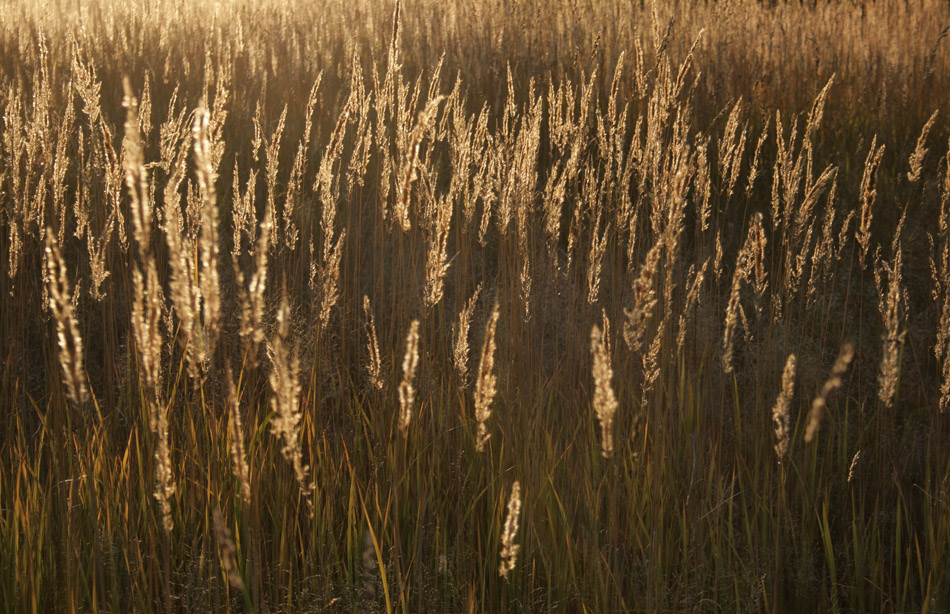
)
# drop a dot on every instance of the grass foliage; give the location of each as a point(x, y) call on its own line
point(473, 305)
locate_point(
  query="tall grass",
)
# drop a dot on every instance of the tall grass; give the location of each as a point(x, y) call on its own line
point(474, 306)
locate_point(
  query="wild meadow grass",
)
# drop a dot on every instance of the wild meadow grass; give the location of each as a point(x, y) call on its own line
point(474, 305)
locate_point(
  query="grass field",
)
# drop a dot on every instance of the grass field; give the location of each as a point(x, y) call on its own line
point(474, 306)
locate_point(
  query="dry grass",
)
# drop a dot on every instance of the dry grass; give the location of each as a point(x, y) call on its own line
point(219, 219)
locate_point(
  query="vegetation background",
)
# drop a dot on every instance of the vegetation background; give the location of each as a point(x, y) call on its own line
point(473, 305)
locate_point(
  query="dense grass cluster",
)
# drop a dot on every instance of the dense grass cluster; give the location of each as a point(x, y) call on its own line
point(474, 306)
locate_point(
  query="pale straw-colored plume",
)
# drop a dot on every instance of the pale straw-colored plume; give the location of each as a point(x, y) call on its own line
point(205, 152)
point(651, 361)
point(595, 259)
point(388, 95)
point(285, 400)
point(677, 186)
point(172, 132)
point(373, 363)
point(817, 112)
point(804, 213)
point(565, 133)
point(184, 288)
point(509, 549)
point(439, 222)
point(409, 161)
point(61, 164)
point(781, 411)
point(218, 113)
point(147, 306)
point(822, 257)
point(605, 403)
point(644, 299)
point(87, 86)
point(754, 167)
point(573, 236)
point(524, 253)
point(242, 211)
point(67, 327)
point(693, 296)
point(485, 385)
point(407, 393)
point(717, 260)
point(734, 312)
point(330, 279)
point(510, 139)
point(363, 137)
point(297, 173)
point(916, 160)
point(731, 148)
point(868, 196)
point(468, 142)
point(488, 193)
point(831, 384)
point(460, 348)
point(782, 171)
point(113, 168)
point(136, 176)
point(702, 184)
point(272, 163)
point(523, 185)
point(187, 277)
point(797, 258)
point(892, 306)
point(164, 477)
point(251, 298)
point(327, 187)
point(524, 284)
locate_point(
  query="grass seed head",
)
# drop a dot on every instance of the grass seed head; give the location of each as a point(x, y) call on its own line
point(485, 385)
point(780, 413)
point(605, 403)
point(407, 393)
point(831, 384)
point(509, 549)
